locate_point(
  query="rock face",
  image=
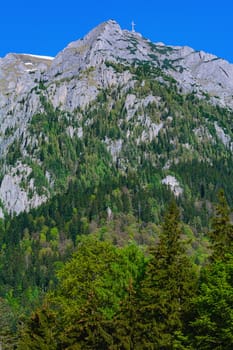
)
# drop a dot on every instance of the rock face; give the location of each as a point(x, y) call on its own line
point(173, 183)
point(204, 72)
point(74, 79)
point(19, 74)
point(16, 198)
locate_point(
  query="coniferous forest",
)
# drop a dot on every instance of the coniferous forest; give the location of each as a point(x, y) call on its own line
point(125, 285)
point(115, 258)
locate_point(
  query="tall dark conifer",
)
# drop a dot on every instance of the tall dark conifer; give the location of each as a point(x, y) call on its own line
point(168, 286)
point(221, 234)
point(212, 324)
point(127, 324)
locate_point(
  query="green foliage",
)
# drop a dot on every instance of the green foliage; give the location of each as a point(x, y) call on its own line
point(222, 229)
point(39, 332)
point(169, 283)
point(100, 268)
point(213, 308)
point(103, 168)
point(14, 153)
point(40, 180)
point(127, 326)
point(8, 336)
point(76, 147)
point(109, 297)
point(90, 287)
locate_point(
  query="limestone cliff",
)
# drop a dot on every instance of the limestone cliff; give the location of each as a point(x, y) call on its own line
point(73, 80)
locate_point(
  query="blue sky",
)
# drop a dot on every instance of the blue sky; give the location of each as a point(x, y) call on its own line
point(46, 26)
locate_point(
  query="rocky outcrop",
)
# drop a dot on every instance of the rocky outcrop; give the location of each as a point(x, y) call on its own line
point(174, 185)
point(203, 72)
point(15, 196)
point(76, 75)
point(19, 75)
point(74, 79)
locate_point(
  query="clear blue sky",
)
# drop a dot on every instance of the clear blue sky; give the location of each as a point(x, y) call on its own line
point(46, 26)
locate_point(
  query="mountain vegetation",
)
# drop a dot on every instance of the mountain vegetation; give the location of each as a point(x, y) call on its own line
point(128, 295)
point(116, 199)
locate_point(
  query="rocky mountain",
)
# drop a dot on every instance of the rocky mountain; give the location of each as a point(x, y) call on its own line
point(115, 100)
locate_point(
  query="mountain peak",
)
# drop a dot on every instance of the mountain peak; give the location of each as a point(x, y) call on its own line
point(110, 25)
point(111, 59)
point(105, 30)
point(106, 42)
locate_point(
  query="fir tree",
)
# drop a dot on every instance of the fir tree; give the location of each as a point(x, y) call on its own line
point(221, 234)
point(212, 308)
point(40, 331)
point(212, 327)
point(127, 324)
point(88, 330)
point(8, 337)
point(168, 285)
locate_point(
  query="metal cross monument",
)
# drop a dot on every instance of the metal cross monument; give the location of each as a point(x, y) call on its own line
point(133, 26)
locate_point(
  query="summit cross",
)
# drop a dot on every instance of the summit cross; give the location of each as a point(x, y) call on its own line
point(133, 26)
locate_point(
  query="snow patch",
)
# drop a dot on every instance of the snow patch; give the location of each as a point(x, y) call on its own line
point(38, 56)
point(31, 70)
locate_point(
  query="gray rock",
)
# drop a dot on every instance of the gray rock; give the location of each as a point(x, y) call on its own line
point(75, 77)
point(174, 185)
point(15, 198)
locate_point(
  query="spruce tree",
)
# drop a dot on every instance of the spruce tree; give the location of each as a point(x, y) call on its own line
point(221, 234)
point(8, 337)
point(168, 285)
point(212, 325)
point(40, 331)
point(90, 330)
point(212, 308)
point(127, 324)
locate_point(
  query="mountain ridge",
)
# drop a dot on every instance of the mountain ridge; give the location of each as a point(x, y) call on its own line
point(107, 68)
